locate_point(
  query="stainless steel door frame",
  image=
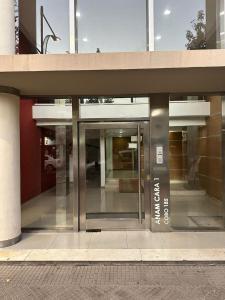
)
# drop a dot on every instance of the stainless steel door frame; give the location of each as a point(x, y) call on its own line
point(117, 223)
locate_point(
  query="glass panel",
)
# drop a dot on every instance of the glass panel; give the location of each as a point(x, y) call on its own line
point(111, 26)
point(112, 173)
point(196, 179)
point(220, 24)
point(57, 15)
point(47, 189)
point(173, 19)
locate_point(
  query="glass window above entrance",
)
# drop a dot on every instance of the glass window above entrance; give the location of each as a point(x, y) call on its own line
point(174, 24)
point(111, 26)
point(90, 26)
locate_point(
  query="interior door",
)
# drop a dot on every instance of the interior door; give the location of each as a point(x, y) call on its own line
point(114, 167)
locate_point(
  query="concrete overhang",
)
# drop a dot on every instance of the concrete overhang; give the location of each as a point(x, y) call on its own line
point(199, 71)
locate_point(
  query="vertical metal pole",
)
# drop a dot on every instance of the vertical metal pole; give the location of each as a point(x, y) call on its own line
point(150, 31)
point(72, 18)
point(102, 157)
point(76, 26)
point(147, 25)
point(223, 156)
point(139, 176)
point(42, 29)
point(160, 181)
point(75, 110)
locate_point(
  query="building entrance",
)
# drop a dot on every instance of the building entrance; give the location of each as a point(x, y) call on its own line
point(114, 175)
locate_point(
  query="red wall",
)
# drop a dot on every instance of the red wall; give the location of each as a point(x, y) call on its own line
point(30, 155)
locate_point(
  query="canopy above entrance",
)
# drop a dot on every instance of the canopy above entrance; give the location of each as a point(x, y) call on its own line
point(115, 73)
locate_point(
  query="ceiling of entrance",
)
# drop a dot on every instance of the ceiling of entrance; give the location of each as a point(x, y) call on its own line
point(115, 74)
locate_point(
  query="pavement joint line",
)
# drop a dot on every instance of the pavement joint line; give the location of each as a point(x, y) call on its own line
point(114, 263)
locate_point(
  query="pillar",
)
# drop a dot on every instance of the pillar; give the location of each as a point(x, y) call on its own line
point(160, 180)
point(76, 113)
point(10, 210)
point(7, 27)
point(62, 175)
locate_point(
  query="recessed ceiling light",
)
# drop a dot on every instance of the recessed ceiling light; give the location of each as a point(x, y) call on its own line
point(222, 13)
point(222, 33)
point(158, 37)
point(78, 14)
point(85, 39)
point(167, 12)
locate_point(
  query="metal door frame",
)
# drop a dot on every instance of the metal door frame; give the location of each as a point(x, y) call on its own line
point(117, 223)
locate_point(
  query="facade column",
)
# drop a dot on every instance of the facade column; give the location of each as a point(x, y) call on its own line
point(160, 179)
point(10, 209)
point(7, 27)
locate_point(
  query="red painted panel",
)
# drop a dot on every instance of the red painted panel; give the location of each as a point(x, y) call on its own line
point(30, 139)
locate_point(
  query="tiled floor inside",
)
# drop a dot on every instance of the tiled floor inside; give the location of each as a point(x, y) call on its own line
point(190, 209)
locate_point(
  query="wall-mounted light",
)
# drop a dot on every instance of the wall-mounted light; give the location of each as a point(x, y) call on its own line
point(53, 36)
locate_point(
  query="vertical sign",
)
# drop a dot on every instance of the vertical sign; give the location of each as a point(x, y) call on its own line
point(160, 188)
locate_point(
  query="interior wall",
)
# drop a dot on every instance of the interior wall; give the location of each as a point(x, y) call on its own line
point(210, 171)
point(30, 137)
point(177, 156)
point(121, 162)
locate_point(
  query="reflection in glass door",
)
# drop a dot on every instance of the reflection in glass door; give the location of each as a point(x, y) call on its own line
point(114, 165)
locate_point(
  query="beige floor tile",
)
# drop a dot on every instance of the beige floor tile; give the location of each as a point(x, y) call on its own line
point(143, 239)
point(13, 255)
point(114, 255)
point(108, 240)
point(58, 255)
point(80, 240)
point(34, 241)
point(178, 240)
point(183, 254)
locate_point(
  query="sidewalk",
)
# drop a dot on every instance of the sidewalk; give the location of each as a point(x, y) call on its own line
point(118, 246)
point(114, 281)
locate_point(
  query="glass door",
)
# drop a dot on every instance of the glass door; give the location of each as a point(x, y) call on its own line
point(114, 165)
